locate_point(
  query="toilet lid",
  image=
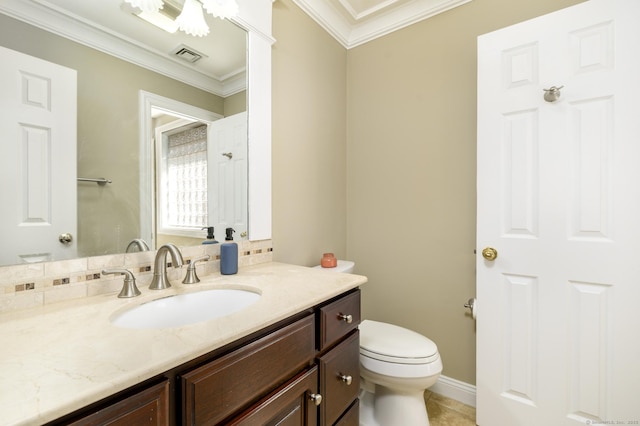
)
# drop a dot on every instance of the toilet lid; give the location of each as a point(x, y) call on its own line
point(388, 342)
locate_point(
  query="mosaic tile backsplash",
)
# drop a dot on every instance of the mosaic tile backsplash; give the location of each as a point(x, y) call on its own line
point(36, 284)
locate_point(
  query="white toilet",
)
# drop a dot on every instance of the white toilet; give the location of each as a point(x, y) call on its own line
point(396, 366)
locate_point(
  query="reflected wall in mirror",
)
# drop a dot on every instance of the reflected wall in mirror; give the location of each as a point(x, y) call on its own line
point(108, 130)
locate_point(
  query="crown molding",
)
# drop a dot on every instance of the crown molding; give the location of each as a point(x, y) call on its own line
point(51, 19)
point(351, 29)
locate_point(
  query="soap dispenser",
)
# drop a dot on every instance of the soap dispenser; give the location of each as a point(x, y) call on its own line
point(211, 239)
point(229, 255)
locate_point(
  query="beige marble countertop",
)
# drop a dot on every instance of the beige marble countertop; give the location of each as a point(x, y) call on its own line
point(62, 357)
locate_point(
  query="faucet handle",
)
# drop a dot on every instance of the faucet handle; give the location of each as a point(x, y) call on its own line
point(191, 277)
point(129, 289)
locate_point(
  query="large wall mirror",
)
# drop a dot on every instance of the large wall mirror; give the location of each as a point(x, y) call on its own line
point(139, 98)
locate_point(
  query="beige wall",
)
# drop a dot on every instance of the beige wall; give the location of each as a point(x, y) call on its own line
point(309, 131)
point(235, 104)
point(411, 153)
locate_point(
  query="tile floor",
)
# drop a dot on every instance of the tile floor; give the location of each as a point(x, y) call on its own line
point(448, 412)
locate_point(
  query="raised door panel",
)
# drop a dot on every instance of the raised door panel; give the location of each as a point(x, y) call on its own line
point(148, 407)
point(231, 383)
point(339, 378)
point(289, 405)
point(227, 173)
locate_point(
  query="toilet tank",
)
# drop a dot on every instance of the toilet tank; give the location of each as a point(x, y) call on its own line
point(345, 266)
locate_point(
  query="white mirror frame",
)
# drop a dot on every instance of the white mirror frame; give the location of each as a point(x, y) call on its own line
point(255, 17)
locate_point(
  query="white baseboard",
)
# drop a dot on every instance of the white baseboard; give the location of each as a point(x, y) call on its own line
point(455, 389)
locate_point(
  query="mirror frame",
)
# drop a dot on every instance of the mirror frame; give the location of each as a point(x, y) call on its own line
point(255, 17)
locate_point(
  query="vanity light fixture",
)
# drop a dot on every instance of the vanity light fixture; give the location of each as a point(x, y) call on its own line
point(190, 19)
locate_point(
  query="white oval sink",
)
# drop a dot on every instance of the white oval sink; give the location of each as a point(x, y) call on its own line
point(185, 309)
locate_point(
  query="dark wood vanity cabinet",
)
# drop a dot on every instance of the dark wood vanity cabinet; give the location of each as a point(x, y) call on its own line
point(287, 371)
point(304, 371)
point(339, 359)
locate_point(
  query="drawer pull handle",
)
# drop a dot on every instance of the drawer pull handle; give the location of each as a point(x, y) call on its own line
point(346, 318)
point(316, 398)
point(346, 379)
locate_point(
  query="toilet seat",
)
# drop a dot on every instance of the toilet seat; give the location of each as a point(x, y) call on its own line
point(390, 343)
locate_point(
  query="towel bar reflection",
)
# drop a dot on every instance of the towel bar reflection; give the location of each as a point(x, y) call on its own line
point(99, 181)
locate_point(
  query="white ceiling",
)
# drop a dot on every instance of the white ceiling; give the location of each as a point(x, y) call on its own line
point(354, 22)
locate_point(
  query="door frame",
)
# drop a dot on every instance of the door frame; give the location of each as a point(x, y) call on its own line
point(147, 102)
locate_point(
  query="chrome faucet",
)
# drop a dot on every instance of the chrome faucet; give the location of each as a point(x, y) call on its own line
point(191, 277)
point(160, 280)
point(129, 289)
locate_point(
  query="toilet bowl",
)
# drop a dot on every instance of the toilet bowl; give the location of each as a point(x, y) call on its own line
point(396, 366)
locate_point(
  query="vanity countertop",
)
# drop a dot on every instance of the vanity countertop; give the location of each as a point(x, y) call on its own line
point(62, 357)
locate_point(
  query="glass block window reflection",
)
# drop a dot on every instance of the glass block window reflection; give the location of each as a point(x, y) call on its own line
point(186, 184)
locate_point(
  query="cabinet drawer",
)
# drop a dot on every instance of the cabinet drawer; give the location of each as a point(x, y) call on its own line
point(338, 318)
point(223, 387)
point(289, 405)
point(339, 378)
point(147, 407)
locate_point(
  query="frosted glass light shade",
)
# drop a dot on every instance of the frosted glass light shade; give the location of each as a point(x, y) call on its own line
point(148, 6)
point(221, 8)
point(191, 20)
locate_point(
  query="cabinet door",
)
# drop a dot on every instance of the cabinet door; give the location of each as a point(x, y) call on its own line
point(339, 378)
point(148, 407)
point(290, 405)
point(226, 386)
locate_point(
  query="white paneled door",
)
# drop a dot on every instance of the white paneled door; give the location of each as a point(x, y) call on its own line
point(228, 174)
point(559, 200)
point(37, 159)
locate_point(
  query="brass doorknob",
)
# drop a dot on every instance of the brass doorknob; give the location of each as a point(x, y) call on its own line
point(490, 253)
